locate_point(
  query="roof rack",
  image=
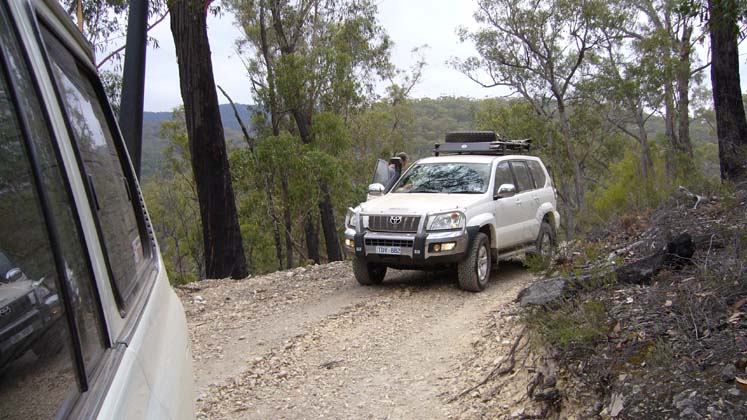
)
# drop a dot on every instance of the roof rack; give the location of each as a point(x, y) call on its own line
point(496, 148)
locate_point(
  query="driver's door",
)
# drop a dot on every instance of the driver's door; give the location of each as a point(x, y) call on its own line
point(380, 176)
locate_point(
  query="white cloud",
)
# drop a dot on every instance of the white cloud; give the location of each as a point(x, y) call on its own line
point(409, 23)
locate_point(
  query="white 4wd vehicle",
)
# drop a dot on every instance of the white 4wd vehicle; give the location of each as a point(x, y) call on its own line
point(474, 203)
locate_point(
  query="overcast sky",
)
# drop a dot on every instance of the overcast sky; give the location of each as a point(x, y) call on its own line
point(410, 23)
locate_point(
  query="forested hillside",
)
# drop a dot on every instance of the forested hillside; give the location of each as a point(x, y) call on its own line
point(424, 122)
point(154, 142)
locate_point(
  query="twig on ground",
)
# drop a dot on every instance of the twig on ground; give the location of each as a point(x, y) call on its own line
point(498, 369)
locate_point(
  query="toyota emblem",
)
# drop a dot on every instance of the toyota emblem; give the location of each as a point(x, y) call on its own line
point(5, 311)
point(395, 220)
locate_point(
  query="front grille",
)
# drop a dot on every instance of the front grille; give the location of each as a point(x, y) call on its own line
point(14, 310)
point(384, 223)
point(404, 243)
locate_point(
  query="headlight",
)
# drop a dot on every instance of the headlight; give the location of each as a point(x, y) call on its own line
point(446, 221)
point(351, 219)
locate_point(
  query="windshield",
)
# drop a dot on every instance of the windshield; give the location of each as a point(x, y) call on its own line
point(455, 178)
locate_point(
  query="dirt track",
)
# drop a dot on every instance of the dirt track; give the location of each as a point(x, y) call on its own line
point(312, 343)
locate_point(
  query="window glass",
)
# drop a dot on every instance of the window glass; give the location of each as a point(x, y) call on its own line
point(112, 198)
point(36, 368)
point(537, 173)
point(454, 178)
point(522, 176)
point(47, 368)
point(503, 175)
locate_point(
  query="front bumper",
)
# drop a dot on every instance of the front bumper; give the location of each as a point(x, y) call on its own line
point(417, 249)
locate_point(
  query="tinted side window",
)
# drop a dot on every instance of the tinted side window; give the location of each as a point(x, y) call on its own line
point(113, 200)
point(537, 173)
point(503, 175)
point(67, 336)
point(522, 176)
point(37, 372)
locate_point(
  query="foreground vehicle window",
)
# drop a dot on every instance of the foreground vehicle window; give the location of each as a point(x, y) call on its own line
point(114, 199)
point(51, 335)
point(35, 357)
point(455, 178)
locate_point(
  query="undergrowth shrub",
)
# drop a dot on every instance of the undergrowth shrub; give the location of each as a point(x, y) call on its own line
point(569, 324)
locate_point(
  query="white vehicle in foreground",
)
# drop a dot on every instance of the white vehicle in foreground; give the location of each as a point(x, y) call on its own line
point(474, 203)
point(89, 325)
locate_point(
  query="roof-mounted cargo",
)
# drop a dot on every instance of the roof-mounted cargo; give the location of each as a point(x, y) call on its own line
point(480, 143)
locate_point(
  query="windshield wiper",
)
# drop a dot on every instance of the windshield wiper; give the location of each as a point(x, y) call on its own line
point(424, 190)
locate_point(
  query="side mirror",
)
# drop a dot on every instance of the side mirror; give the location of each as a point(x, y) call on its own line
point(505, 190)
point(376, 189)
point(13, 274)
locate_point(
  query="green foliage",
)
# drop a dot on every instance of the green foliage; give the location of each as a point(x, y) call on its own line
point(625, 191)
point(570, 324)
point(173, 206)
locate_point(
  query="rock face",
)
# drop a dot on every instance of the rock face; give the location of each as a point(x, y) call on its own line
point(674, 255)
point(543, 292)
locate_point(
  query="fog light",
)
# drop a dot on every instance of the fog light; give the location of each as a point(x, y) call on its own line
point(448, 246)
point(349, 243)
point(436, 247)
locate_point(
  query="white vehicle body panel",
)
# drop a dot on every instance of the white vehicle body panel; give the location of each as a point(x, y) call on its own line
point(156, 370)
point(154, 376)
point(512, 221)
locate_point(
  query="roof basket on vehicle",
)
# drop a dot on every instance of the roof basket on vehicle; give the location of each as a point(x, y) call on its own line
point(480, 143)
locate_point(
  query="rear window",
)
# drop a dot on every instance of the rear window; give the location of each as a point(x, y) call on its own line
point(522, 175)
point(112, 196)
point(537, 173)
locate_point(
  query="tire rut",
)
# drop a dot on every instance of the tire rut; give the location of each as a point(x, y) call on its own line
point(388, 351)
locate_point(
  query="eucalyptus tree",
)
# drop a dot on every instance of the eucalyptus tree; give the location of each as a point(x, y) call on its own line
point(664, 35)
point(311, 57)
point(731, 126)
point(623, 81)
point(223, 246)
point(537, 49)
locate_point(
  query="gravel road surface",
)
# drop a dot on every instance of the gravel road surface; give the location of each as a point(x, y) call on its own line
point(312, 343)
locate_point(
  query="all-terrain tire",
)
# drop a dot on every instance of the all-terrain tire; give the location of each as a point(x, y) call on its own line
point(474, 270)
point(470, 136)
point(368, 273)
point(545, 243)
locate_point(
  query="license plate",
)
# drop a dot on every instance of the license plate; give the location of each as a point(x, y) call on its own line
point(391, 250)
point(21, 335)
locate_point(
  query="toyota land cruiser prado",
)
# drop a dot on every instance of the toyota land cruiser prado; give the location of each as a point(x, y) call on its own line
point(472, 204)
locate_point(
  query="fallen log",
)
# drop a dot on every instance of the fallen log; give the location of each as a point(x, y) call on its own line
point(678, 252)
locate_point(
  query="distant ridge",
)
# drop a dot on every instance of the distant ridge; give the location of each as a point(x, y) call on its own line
point(154, 144)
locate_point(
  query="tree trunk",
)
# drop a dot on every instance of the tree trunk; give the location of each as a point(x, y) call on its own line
point(326, 210)
point(669, 127)
point(224, 250)
point(564, 191)
point(331, 240)
point(275, 222)
point(288, 223)
point(578, 183)
point(731, 126)
point(312, 238)
point(646, 163)
point(683, 92)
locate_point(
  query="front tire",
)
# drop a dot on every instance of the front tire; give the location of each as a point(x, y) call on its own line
point(368, 273)
point(474, 270)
